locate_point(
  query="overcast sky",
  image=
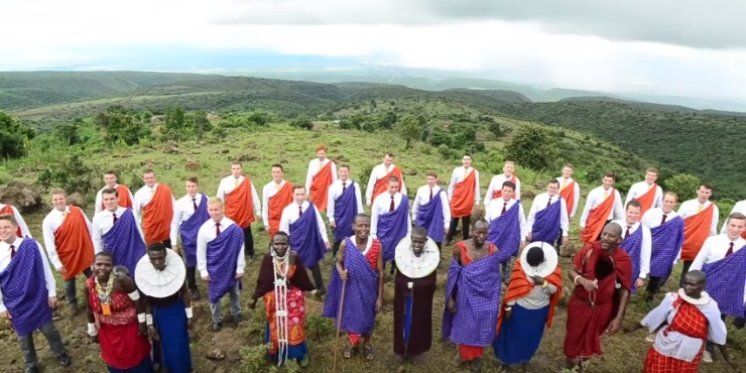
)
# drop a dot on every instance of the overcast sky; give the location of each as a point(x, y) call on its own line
point(671, 47)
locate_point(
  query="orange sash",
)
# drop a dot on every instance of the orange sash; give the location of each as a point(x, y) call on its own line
point(157, 215)
point(520, 286)
point(462, 201)
point(74, 244)
point(646, 200)
point(277, 203)
point(696, 231)
point(8, 210)
point(382, 184)
point(497, 193)
point(320, 186)
point(568, 193)
point(239, 205)
point(597, 218)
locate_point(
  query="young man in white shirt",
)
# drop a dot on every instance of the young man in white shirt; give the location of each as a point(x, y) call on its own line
point(379, 176)
point(424, 209)
point(603, 204)
point(344, 203)
point(636, 241)
point(190, 214)
point(241, 202)
point(647, 192)
point(463, 196)
point(494, 190)
point(569, 190)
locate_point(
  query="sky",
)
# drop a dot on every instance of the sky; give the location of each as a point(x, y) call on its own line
point(664, 47)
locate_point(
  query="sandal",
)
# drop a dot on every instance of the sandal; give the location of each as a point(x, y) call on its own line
point(347, 352)
point(368, 350)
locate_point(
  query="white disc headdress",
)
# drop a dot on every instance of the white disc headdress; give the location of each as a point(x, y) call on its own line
point(416, 267)
point(546, 267)
point(160, 284)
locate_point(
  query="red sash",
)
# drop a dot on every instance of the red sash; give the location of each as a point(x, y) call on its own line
point(646, 200)
point(568, 193)
point(382, 184)
point(320, 186)
point(8, 210)
point(74, 245)
point(462, 201)
point(157, 215)
point(239, 205)
point(696, 231)
point(497, 193)
point(277, 203)
point(520, 286)
point(597, 219)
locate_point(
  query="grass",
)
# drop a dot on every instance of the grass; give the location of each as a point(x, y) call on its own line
point(293, 148)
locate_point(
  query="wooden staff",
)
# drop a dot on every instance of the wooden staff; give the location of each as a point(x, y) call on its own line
point(339, 324)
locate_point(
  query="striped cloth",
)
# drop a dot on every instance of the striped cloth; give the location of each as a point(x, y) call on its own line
point(24, 289)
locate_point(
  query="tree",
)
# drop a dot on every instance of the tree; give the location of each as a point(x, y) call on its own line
point(120, 124)
point(532, 147)
point(198, 123)
point(14, 137)
point(69, 133)
point(409, 128)
point(685, 185)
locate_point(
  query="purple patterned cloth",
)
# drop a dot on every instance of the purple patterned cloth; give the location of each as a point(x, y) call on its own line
point(725, 281)
point(24, 289)
point(361, 292)
point(124, 241)
point(222, 260)
point(189, 229)
point(392, 227)
point(633, 246)
point(505, 232)
point(547, 224)
point(345, 209)
point(430, 217)
point(305, 238)
point(666, 243)
point(476, 288)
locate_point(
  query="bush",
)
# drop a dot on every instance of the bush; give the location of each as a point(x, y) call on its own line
point(14, 137)
point(685, 185)
point(72, 175)
point(532, 147)
point(302, 123)
point(119, 124)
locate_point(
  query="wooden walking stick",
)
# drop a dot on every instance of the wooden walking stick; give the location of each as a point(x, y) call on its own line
point(339, 324)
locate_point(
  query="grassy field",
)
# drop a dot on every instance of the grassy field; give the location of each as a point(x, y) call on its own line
point(242, 346)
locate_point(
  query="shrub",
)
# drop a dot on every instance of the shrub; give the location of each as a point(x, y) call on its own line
point(532, 147)
point(14, 137)
point(685, 185)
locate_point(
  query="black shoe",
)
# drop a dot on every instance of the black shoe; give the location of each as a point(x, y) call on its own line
point(217, 326)
point(236, 321)
point(320, 292)
point(195, 294)
point(65, 360)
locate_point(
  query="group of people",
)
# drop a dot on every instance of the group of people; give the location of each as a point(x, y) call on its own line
point(141, 254)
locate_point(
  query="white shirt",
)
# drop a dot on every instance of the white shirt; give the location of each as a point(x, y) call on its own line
point(290, 215)
point(335, 190)
point(565, 183)
point(206, 234)
point(49, 226)
point(182, 212)
point(5, 261)
point(714, 249)
point(740, 206)
point(268, 191)
point(229, 183)
point(692, 207)
point(540, 203)
point(381, 206)
point(314, 166)
point(645, 245)
point(19, 219)
point(597, 196)
point(652, 219)
point(143, 196)
point(102, 223)
point(495, 209)
point(378, 172)
point(639, 189)
point(99, 205)
point(497, 184)
point(458, 175)
point(423, 197)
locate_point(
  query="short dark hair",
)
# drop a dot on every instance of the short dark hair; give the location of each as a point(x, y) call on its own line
point(737, 216)
point(110, 191)
point(393, 178)
point(107, 254)
point(554, 181)
point(111, 172)
point(281, 234)
point(390, 154)
point(10, 218)
point(298, 186)
point(633, 203)
point(707, 186)
point(610, 174)
point(277, 165)
point(509, 184)
point(158, 246)
point(193, 179)
point(148, 171)
point(345, 166)
point(535, 256)
point(479, 221)
point(420, 231)
point(431, 173)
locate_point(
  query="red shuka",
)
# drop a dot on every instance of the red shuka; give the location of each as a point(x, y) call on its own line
point(74, 244)
point(696, 231)
point(382, 184)
point(277, 203)
point(239, 205)
point(520, 286)
point(690, 321)
point(597, 219)
point(463, 196)
point(157, 215)
point(320, 186)
point(568, 193)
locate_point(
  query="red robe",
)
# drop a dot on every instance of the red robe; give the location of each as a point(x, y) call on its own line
point(589, 314)
point(277, 203)
point(74, 244)
point(382, 184)
point(696, 231)
point(690, 321)
point(463, 196)
point(157, 216)
point(597, 219)
point(568, 193)
point(646, 200)
point(320, 186)
point(239, 204)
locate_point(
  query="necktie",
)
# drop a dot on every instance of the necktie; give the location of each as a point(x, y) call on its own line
point(217, 229)
point(300, 210)
point(391, 206)
point(344, 185)
point(431, 194)
point(549, 201)
point(114, 216)
point(194, 203)
point(663, 219)
point(13, 250)
point(505, 207)
point(626, 234)
point(727, 253)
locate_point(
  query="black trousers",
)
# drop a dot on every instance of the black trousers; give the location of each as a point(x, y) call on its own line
point(53, 338)
point(248, 240)
point(465, 222)
point(335, 247)
point(654, 286)
point(317, 279)
point(70, 293)
point(192, 278)
point(687, 264)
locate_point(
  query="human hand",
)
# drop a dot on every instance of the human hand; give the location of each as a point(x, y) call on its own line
point(153, 333)
point(343, 275)
point(52, 301)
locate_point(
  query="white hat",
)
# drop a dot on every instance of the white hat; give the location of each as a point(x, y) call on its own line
point(160, 284)
point(546, 267)
point(413, 266)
